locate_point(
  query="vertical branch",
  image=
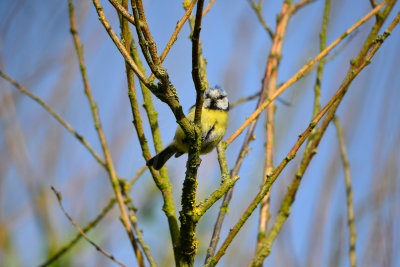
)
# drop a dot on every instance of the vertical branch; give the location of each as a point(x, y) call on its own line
point(125, 188)
point(322, 46)
point(143, 42)
point(162, 181)
point(271, 79)
point(197, 79)
point(221, 148)
point(188, 241)
point(349, 193)
point(96, 118)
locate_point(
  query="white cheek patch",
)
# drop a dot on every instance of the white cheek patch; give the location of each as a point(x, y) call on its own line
point(223, 103)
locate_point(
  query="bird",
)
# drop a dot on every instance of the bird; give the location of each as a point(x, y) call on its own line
point(214, 122)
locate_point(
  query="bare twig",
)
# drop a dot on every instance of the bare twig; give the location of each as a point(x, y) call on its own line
point(349, 193)
point(85, 229)
point(125, 188)
point(119, 44)
point(123, 11)
point(98, 248)
point(91, 224)
point(178, 28)
point(301, 4)
point(257, 8)
point(208, 7)
point(221, 148)
point(56, 116)
point(317, 87)
point(137, 175)
point(197, 80)
point(203, 206)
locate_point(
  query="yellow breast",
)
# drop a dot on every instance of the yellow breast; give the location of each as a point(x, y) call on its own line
point(213, 127)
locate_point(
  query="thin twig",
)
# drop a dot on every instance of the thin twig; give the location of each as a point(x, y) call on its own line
point(178, 28)
point(147, 43)
point(244, 99)
point(301, 4)
point(349, 194)
point(119, 44)
point(85, 229)
point(98, 248)
point(56, 116)
point(124, 12)
point(96, 119)
point(317, 87)
point(203, 206)
point(91, 224)
point(161, 180)
point(221, 148)
point(257, 8)
point(208, 7)
point(137, 175)
point(125, 188)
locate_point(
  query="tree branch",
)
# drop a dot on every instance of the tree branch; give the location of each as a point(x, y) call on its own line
point(105, 253)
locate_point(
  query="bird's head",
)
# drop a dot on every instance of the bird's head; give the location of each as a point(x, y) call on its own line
point(216, 98)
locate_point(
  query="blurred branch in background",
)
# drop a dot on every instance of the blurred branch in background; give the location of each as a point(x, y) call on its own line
point(105, 253)
point(349, 195)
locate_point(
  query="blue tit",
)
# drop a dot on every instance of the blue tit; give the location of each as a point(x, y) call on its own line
point(214, 121)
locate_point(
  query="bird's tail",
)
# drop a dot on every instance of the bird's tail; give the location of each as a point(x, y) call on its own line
point(159, 160)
